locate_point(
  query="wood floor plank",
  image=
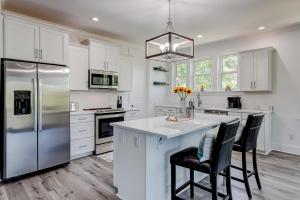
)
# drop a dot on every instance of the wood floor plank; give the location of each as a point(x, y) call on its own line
point(91, 178)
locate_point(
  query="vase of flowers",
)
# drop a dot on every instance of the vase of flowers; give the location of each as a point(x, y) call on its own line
point(182, 92)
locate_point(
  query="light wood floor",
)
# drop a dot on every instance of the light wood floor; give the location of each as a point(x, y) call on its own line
point(91, 178)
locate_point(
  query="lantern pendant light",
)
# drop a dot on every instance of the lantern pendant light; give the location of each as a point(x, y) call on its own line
point(170, 46)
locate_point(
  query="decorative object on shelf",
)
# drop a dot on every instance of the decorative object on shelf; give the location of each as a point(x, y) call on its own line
point(170, 46)
point(201, 88)
point(183, 92)
point(160, 83)
point(227, 88)
point(160, 68)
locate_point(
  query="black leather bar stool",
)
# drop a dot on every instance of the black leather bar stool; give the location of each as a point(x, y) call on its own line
point(220, 161)
point(246, 143)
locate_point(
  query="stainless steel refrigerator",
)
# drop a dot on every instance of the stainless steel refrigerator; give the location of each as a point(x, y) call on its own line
point(35, 118)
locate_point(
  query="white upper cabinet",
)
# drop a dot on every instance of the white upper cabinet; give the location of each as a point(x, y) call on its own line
point(30, 41)
point(246, 71)
point(255, 70)
point(78, 62)
point(102, 56)
point(125, 73)
point(53, 45)
point(112, 57)
point(21, 39)
point(97, 59)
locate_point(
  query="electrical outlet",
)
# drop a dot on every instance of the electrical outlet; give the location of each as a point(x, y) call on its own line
point(291, 136)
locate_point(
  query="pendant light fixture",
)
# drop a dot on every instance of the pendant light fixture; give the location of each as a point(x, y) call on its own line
point(170, 46)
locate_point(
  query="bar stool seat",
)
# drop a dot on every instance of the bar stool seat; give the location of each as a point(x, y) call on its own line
point(237, 147)
point(188, 158)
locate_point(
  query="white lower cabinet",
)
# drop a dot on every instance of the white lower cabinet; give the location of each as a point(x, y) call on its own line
point(82, 135)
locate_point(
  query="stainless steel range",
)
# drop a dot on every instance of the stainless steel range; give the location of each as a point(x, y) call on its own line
point(103, 129)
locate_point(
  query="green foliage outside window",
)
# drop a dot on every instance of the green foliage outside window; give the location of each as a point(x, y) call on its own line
point(229, 71)
point(203, 74)
point(181, 74)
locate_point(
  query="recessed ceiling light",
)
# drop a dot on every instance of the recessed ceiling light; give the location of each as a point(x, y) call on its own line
point(95, 19)
point(199, 36)
point(261, 28)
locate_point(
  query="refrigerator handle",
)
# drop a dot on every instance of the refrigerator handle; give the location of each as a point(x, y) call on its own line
point(40, 103)
point(35, 103)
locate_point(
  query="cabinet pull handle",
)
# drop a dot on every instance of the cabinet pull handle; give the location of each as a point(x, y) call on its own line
point(254, 83)
point(36, 53)
point(251, 85)
point(82, 131)
point(82, 146)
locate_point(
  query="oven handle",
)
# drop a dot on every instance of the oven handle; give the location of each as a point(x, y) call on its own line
point(109, 116)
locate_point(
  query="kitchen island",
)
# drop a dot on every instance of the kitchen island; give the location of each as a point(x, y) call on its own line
point(142, 149)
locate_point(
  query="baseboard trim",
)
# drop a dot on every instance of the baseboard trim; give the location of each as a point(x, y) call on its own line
point(291, 149)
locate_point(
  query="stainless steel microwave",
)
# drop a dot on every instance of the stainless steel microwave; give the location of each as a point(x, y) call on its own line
point(99, 79)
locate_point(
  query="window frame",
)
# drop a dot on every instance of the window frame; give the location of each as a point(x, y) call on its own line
point(188, 64)
point(221, 72)
point(212, 74)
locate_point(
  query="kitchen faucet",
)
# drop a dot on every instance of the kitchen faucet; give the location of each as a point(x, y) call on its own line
point(198, 99)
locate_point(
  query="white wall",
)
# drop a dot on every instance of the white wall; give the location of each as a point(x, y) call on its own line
point(285, 96)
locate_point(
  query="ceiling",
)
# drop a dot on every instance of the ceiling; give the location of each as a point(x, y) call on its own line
point(137, 20)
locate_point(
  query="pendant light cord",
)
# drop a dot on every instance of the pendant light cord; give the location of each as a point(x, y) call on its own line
point(169, 23)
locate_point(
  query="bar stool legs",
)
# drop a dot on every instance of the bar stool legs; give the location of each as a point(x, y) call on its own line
point(173, 182)
point(192, 183)
point(255, 169)
point(245, 174)
point(214, 185)
point(228, 182)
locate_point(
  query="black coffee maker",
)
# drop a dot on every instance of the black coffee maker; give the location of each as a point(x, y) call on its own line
point(234, 102)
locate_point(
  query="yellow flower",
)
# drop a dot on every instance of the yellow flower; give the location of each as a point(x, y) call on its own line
point(189, 91)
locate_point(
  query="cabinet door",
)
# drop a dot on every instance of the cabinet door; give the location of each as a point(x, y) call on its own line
point(261, 137)
point(125, 74)
point(78, 62)
point(246, 71)
point(112, 57)
point(53, 46)
point(97, 56)
point(261, 70)
point(21, 39)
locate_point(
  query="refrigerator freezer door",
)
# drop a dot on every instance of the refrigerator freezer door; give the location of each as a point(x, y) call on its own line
point(20, 127)
point(53, 116)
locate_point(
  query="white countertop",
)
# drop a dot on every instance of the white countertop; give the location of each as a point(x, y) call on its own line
point(209, 107)
point(82, 112)
point(158, 126)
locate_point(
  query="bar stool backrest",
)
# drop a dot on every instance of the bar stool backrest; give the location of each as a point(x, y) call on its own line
point(250, 131)
point(222, 148)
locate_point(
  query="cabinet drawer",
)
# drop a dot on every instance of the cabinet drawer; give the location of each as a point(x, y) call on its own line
point(82, 119)
point(82, 130)
point(81, 146)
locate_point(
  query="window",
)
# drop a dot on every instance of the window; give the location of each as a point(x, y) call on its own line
point(229, 72)
point(203, 74)
point(181, 74)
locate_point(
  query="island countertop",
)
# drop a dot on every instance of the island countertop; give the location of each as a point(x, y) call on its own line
point(159, 126)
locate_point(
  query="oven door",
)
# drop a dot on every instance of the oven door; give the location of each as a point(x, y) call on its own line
point(104, 131)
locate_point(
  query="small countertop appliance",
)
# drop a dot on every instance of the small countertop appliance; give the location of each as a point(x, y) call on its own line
point(234, 102)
